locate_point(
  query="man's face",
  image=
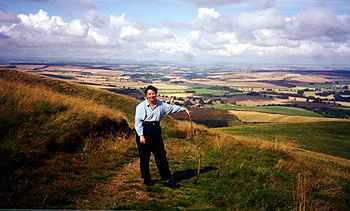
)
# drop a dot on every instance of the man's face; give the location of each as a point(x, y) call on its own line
point(151, 96)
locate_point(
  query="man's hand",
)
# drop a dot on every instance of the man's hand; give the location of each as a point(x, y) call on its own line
point(142, 139)
point(189, 113)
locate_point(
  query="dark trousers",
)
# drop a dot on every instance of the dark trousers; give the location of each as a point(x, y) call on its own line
point(154, 144)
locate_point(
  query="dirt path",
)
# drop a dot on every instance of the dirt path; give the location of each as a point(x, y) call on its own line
point(125, 186)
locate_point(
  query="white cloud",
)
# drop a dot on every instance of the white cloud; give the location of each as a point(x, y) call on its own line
point(234, 49)
point(319, 24)
point(264, 34)
point(179, 46)
point(76, 28)
point(207, 13)
point(261, 19)
point(97, 37)
point(118, 21)
point(129, 31)
point(39, 20)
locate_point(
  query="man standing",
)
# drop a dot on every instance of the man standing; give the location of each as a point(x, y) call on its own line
point(149, 138)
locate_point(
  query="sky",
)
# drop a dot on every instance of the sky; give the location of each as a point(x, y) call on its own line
point(314, 32)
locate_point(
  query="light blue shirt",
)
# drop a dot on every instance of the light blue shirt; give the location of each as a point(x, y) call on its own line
point(144, 112)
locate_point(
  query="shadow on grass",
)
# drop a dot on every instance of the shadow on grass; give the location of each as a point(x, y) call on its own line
point(190, 173)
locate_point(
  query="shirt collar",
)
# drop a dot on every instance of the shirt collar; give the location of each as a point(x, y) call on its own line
point(147, 103)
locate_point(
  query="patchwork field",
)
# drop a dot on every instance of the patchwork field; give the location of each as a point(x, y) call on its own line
point(291, 111)
point(259, 117)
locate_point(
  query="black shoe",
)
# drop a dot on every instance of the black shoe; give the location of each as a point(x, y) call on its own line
point(148, 182)
point(170, 183)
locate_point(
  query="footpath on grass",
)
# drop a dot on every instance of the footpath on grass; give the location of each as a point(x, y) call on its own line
point(235, 173)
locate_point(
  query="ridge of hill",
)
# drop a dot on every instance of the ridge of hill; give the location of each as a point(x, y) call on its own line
point(64, 145)
point(115, 101)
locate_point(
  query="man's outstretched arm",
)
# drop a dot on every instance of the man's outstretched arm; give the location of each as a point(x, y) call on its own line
point(170, 109)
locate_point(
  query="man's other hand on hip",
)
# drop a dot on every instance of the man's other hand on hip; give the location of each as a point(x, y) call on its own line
point(142, 139)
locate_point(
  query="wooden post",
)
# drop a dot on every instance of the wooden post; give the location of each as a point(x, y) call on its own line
point(199, 163)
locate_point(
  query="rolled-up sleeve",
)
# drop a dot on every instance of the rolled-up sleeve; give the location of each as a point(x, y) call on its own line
point(139, 117)
point(170, 109)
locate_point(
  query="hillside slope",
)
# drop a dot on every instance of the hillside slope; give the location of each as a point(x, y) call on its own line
point(64, 145)
point(120, 102)
point(50, 141)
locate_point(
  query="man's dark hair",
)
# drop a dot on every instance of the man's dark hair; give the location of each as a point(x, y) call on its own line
point(150, 87)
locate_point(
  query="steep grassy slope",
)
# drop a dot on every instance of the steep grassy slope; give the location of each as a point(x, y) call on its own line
point(68, 146)
point(54, 147)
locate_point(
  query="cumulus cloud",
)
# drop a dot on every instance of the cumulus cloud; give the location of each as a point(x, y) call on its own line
point(129, 31)
point(207, 13)
point(264, 33)
point(319, 24)
point(115, 34)
point(262, 19)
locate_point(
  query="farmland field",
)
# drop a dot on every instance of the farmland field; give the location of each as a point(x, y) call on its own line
point(270, 109)
point(259, 117)
point(207, 91)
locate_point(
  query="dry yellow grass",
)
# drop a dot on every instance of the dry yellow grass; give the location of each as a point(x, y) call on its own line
point(183, 95)
point(233, 83)
point(311, 78)
point(346, 104)
point(26, 67)
point(26, 95)
point(167, 86)
point(251, 116)
point(78, 68)
point(118, 84)
point(332, 166)
point(221, 140)
point(275, 75)
point(188, 128)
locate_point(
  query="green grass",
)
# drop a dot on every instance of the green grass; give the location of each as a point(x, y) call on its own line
point(207, 91)
point(328, 137)
point(285, 110)
point(236, 177)
point(233, 177)
point(319, 85)
point(335, 112)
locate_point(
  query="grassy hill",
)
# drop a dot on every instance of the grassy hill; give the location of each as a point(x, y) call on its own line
point(63, 145)
point(54, 146)
point(328, 137)
point(120, 102)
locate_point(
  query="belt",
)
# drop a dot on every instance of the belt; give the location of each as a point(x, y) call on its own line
point(150, 123)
